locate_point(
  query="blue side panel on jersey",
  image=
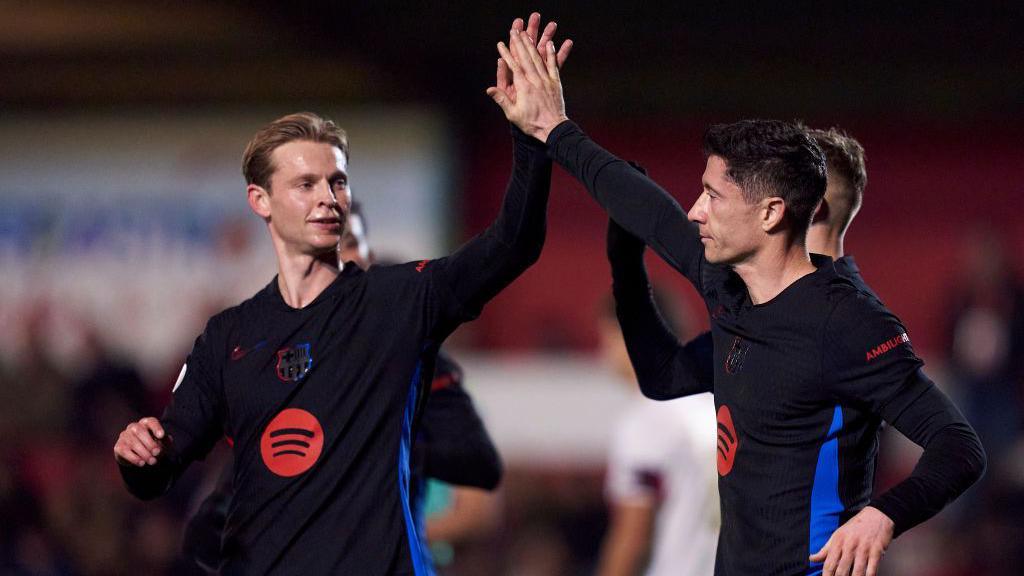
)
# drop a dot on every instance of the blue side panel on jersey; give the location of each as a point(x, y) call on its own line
point(826, 506)
point(420, 568)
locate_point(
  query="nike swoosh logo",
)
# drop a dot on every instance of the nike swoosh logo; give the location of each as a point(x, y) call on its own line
point(238, 353)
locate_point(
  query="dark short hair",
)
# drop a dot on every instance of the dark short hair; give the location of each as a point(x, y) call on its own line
point(256, 162)
point(772, 158)
point(845, 157)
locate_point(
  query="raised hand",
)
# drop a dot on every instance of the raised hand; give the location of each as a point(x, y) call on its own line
point(504, 87)
point(536, 105)
point(533, 25)
point(140, 443)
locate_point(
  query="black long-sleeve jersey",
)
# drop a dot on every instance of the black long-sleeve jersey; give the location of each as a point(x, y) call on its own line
point(801, 384)
point(321, 401)
point(452, 446)
point(665, 368)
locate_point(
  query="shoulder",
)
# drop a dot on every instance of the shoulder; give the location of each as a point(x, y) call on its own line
point(402, 274)
point(850, 305)
point(230, 317)
point(861, 331)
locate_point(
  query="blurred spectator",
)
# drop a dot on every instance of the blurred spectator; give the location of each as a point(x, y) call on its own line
point(985, 342)
point(33, 399)
point(661, 483)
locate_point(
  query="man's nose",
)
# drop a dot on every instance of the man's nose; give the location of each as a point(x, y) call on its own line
point(325, 194)
point(696, 213)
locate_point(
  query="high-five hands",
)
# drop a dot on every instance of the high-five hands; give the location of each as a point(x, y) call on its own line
point(532, 98)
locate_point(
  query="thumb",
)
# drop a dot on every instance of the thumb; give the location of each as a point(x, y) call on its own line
point(821, 554)
point(500, 98)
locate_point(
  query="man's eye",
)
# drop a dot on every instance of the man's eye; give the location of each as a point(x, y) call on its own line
point(340, 183)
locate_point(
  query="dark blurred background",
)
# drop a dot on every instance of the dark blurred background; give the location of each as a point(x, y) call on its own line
point(123, 228)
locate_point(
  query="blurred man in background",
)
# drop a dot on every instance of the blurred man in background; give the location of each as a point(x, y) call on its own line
point(660, 482)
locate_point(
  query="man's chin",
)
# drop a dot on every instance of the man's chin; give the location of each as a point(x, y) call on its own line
point(326, 247)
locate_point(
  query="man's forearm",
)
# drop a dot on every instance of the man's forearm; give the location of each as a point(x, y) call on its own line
point(950, 464)
point(665, 369)
point(952, 461)
point(631, 199)
point(486, 264)
point(148, 482)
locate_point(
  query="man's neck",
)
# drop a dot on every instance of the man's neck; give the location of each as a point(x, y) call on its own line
point(302, 277)
point(770, 272)
point(825, 240)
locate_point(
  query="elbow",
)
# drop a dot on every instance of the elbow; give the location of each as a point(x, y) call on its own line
point(652, 388)
point(974, 452)
point(530, 251)
point(979, 460)
point(495, 472)
point(490, 469)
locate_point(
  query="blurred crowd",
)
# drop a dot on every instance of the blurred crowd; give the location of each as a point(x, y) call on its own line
point(64, 511)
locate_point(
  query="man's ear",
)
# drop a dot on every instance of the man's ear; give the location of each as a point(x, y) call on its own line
point(259, 200)
point(773, 210)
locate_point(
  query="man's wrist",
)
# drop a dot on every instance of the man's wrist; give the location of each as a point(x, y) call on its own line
point(542, 132)
point(886, 520)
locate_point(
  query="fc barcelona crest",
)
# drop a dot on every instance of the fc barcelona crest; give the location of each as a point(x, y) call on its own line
point(737, 354)
point(294, 363)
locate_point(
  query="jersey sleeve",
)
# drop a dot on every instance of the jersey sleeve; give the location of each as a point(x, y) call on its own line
point(456, 447)
point(631, 199)
point(867, 356)
point(952, 461)
point(475, 273)
point(874, 366)
point(664, 367)
point(193, 421)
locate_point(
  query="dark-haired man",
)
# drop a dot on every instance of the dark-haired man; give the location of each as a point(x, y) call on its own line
point(805, 364)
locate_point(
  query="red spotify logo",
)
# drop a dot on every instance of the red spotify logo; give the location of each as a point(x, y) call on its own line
point(292, 442)
point(728, 441)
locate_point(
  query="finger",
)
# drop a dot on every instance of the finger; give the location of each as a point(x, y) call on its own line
point(532, 25)
point(551, 61)
point(139, 433)
point(154, 426)
point(510, 61)
point(548, 35)
point(820, 555)
point(873, 559)
point(563, 52)
point(122, 453)
point(860, 562)
point(845, 564)
point(503, 76)
point(517, 25)
point(529, 60)
point(501, 98)
point(534, 55)
point(831, 562)
point(139, 449)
